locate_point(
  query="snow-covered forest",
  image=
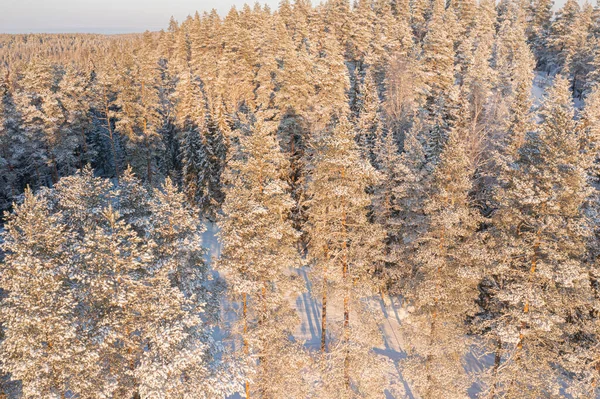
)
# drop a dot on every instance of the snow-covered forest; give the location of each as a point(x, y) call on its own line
point(385, 199)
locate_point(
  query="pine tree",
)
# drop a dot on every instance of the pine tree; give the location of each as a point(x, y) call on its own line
point(235, 74)
point(438, 75)
point(104, 96)
point(540, 237)
point(581, 43)
point(477, 82)
point(42, 347)
point(344, 247)
point(443, 287)
point(368, 117)
point(560, 35)
point(193, 151)
point(203, 148)
point(584, 353)
point(259, 250)
point(392, 34)
point(42, 121)
point(513, 59)
point(402, 94)
point(113, 304)
point(388, 207)
point(74, 99)
point(331, 82)
point(438, 59)
point(411, 192)
point(194, 360)
point(361, 35)
point(139, 119)
point(538, 31)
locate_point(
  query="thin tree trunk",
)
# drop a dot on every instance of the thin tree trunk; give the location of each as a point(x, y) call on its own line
point(434, 314)
point(346, 282)
point(54, 172)
point(245, 338)
point(324, 304)
point(497, 360)
point(136, 394)
point(261, 360)
point(149, 165)
point(532, 270)
point(346, 320)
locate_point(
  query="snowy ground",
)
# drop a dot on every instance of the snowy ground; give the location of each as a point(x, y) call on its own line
point(541, 82)
point(309, 310)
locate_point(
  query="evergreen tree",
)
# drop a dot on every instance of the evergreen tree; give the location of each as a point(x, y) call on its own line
point(560, 35)
point(438, 75)
point(49, 146)
point(538, 31)
point(368, 117)
point(344, 247)
point(13, 165)
point(443, 286)
point(540, 235)
point(104, 101)
point(42, 347)
point(259, 250)
point(139, 119)
point(115, 303)
point(75, 101)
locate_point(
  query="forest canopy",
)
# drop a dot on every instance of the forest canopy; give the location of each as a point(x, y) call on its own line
point(405, 195)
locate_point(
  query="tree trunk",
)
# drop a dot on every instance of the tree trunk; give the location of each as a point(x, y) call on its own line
point(497, 360)
point(532, 270)
point(434, 313)
point(149, 166)
point(346, 282)
point(324, 304)
point(54, 172)
point(245, 338)
point(261, 359)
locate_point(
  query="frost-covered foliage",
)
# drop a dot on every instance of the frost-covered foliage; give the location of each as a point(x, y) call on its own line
point(407, 196)
point(100, 306)
point(443, 284)
point(345, 249)
point(541, 277)
point(259, 253)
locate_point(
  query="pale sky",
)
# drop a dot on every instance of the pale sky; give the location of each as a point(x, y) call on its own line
point(105, 16)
